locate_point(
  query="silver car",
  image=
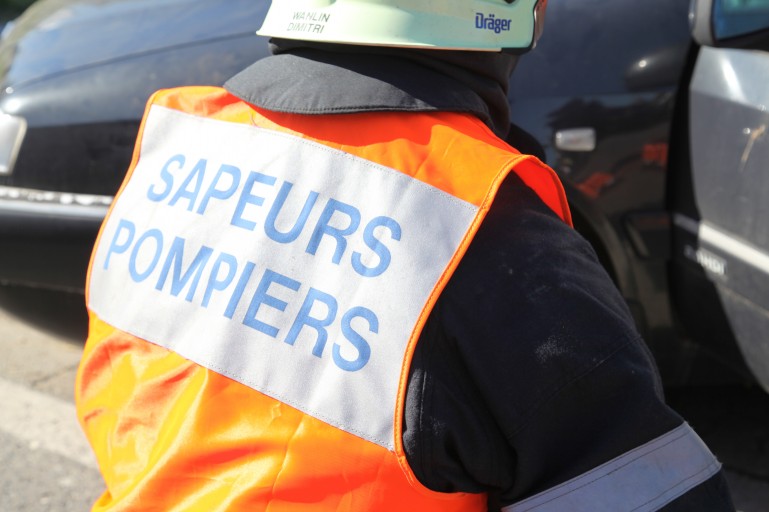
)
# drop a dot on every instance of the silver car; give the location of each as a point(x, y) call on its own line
point(724, 228)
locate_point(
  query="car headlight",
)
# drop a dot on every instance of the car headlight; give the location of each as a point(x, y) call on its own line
point(12, 131)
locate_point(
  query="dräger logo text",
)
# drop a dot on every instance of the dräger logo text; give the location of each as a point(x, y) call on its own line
point(491, 22)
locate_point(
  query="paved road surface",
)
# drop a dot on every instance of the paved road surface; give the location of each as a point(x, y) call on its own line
point(45, 462)
point(46, 465)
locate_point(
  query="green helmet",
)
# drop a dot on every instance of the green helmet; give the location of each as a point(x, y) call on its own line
point(485, 25)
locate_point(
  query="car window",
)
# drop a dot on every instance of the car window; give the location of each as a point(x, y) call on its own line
point(734, 18)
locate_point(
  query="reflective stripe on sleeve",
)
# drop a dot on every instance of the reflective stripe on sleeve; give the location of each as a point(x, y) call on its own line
point(644, 479)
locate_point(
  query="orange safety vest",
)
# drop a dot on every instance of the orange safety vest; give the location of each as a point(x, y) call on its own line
point(256, 294)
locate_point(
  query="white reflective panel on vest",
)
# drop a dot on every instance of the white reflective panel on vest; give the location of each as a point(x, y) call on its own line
point(291, 267)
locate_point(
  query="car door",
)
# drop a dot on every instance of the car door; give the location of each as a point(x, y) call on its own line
point(722, 230)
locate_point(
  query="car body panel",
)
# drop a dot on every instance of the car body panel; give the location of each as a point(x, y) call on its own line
point(725, 233)
point(730, 143)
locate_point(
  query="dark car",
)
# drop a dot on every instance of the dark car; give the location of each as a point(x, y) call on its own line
point(76, 75)
point(721, 220)
point(605, 95)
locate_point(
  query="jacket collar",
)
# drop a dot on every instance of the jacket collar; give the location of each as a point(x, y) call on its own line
point(316, 78)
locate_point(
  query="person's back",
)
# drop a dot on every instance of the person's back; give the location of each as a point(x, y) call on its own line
point(332, 286)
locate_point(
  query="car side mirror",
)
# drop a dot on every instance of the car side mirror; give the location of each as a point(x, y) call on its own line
point(730, 23)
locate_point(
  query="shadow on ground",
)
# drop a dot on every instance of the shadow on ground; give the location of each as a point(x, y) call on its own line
point(59, 313)
point(733, 420)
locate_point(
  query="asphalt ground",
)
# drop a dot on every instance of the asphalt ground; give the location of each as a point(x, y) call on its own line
point(46, 464)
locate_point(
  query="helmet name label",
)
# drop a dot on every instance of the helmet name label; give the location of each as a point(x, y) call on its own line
point(315, 17)
point(308, 22)
point(491, 22)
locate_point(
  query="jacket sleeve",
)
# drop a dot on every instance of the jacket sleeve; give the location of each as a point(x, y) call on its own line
point(531, 383)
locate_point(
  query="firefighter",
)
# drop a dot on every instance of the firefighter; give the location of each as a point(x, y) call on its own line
point(332, 285)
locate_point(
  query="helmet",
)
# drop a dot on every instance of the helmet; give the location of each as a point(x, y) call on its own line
point(485, 25)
